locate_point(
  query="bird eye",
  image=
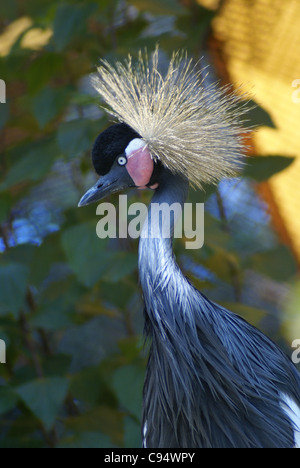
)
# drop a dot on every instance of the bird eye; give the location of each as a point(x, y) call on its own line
point(122, 160)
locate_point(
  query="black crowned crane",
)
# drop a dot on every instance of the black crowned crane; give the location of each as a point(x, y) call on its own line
point(212, 379)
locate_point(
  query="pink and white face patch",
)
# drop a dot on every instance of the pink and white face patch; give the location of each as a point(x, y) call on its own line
point(140, 164)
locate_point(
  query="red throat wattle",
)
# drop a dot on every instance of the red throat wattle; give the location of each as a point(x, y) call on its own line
point(140, 167)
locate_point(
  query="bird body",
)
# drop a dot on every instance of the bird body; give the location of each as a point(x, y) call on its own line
point(212, 379)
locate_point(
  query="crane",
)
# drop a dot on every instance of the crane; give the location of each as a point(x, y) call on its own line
point(212, 379)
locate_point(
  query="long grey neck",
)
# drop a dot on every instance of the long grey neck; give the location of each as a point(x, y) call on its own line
point(156, 259)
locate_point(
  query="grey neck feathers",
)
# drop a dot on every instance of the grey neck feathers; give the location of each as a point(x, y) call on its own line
point(158, 270)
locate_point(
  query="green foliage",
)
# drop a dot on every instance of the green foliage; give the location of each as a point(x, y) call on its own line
point(70, 305)
point(13, 284)
point(44, 398)
point(38, 156)
point(70, 21)
point(260, 168)
point(158, 7)
point(257, 116)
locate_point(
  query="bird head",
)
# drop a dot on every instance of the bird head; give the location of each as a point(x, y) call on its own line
point(173, 121)
point(122, 159)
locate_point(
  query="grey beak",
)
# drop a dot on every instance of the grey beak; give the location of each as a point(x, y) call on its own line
point(115, 180)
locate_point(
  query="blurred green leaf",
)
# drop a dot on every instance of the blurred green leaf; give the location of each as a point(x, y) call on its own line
point(70, 21)
point(5, 206)
point(8, 399)
point(128, 384)
point(42, 69)
point(86, 439)
point(195, 26)
point(224, 264)
point(201, 196)
point(92, 342)
point(100, 419)
point(48, 103)
point(253, 315)
point(278, 263)
point(44, 398)
point(216, 236)
point(53, 315)
point(8, 9)
point(261, 168)
point(46, 257)
point(117, 294)
point(4, 114)
point(57, 365)
point(13, 284)
point(34, 164)
point(130, 347)
point(159, 7)
point(22, 432)
point(86, 253)
point(87, 385)
point(256, 116)
point(132, 433)
point(122, 265)
point(76, 136)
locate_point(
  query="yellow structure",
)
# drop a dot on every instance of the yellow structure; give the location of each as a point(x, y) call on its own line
point(34, 38)
point(260, 46)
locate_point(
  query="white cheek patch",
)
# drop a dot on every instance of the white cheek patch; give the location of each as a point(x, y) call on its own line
point(134, 146)
point(140, 164)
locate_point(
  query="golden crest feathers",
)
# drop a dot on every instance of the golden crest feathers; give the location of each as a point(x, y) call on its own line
point(191, 128)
